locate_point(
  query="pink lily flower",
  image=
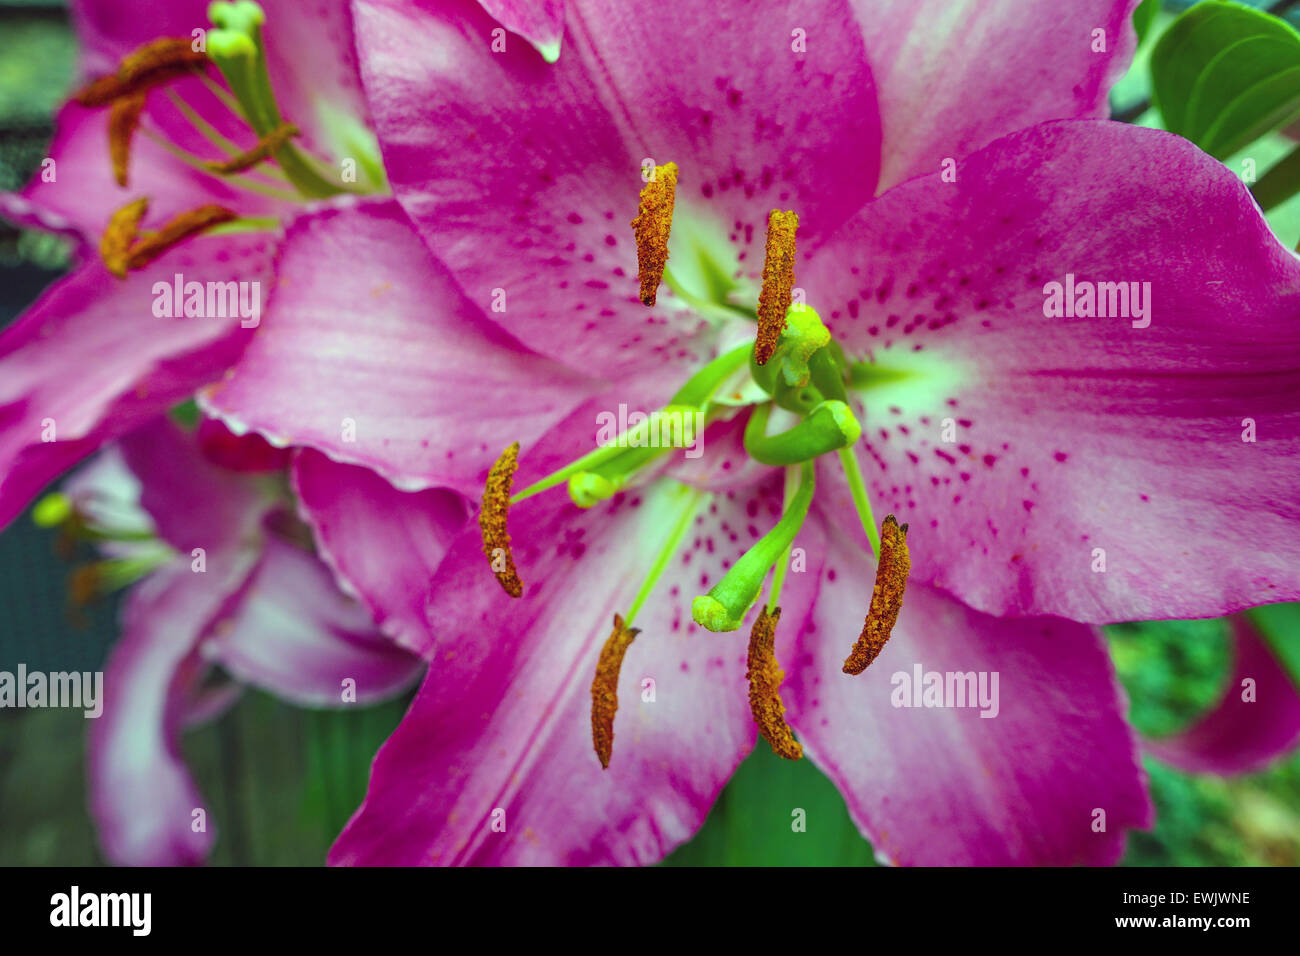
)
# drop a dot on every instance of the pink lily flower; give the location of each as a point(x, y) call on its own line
point(520, 176)
point(101, 353)
point(219, 583)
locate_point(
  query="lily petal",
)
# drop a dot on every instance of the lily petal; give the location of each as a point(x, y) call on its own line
point(947, 786)
point(540, 22)
point(494, 761)
point(382, 544)
point(295, 635)
point(1241, 734)
point(1080, 467)
point(141, 795)
point(954, 75)
point(192, 502)
point(91, 361)
point(405, 375)
point(542, 210)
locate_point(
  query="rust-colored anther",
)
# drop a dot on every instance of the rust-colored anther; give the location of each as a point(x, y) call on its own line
point(886, 597)
point(122, 122)
point(604, 688)
point(654, 220)
point(492, 521)
point(778, 282)
point(151, 65)
point(765, 678)
point(265, 147)
point(115, 246)
point(153, 244)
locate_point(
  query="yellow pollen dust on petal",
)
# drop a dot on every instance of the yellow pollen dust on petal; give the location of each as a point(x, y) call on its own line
point(153, 64)
point(653, 222)
point(122, 122)
point(115, 246)
point(177, 229)
point(765, 676)
point(886, 596)
point(604, 689)
point(778, 282)
point(267, 145)
point(492, 521)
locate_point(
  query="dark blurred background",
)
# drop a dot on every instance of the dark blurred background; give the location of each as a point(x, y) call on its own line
point(281, 781)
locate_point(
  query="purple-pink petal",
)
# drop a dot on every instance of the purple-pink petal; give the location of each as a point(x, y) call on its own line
point(1099, 469)
point(523, 177)
point(540, 22)
point(377, 359)
point(382, 544)
point(91, 360)
point(141, 795)
point(954, 75)
point(500, 733)
point(294, 635)
point(1256, 721)
point(193, 503)
point(1050, 777)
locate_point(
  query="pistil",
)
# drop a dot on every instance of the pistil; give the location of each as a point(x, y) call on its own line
point(828, 427)
point(725, 605)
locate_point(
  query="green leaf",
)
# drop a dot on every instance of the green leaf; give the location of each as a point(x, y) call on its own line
point(1224, 75)
point(757, 820)
point(1143, 17)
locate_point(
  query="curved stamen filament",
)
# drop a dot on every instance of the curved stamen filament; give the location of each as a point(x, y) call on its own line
point(694, 498)
point(690, 398)
point(209, 132)
point(264, 149)
point(198, 162)
point(778, 573)
point(849, 462)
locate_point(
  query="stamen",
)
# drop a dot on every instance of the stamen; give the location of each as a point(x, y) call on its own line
point(122, 121)
point(616, 460)
point(653, 221)
point(765, 677)
point(151, 65)
point(176, 230)
point(492, 521)
point(115, 246)
point(267, 145)
point(604, 689)
point(778, 282)
point(886, 596)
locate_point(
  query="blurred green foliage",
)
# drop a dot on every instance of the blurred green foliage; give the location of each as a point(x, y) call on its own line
point(282, 781)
